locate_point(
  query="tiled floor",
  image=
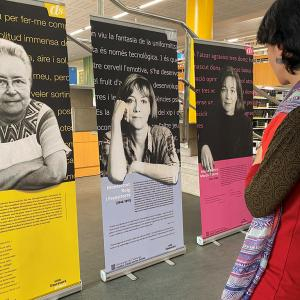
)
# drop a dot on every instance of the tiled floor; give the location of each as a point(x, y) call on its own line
point(199, 274)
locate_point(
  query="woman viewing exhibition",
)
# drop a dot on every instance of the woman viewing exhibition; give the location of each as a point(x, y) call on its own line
point(134, 145)
point(32, 152)
point(273, 188)
point(228, 132)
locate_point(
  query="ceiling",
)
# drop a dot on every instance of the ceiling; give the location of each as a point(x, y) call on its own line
point(232, 18)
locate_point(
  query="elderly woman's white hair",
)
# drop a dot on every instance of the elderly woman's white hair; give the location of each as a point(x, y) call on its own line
point(10, 48)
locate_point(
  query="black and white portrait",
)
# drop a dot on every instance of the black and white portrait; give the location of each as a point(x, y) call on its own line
point(135, 144)
point(228, 132)
point(33, 154)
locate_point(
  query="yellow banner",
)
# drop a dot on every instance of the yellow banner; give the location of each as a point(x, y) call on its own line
point(192, 95)
point(38, 242)
point(55, 10)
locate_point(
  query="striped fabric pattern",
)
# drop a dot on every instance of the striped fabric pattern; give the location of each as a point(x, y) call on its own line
point(252, 259)
point(26, 127)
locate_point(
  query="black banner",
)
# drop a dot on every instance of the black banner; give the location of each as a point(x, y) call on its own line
point(215, 105)
point(118, 53)
point(44, 40)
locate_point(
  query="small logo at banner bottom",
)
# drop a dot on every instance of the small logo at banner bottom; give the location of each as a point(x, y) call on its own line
point(58, 284)
point(170, 246)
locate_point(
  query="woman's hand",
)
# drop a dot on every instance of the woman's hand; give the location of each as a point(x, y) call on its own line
point(117, 163)
point(161, 172)
point(135, 167)
point(10, 176)
point(52, 171)
point(207, 160)
point(120, 112)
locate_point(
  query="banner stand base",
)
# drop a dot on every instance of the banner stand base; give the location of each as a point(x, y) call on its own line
point(212, 239)
point(131, 276)
point(217, 243)
point(63, 293)
point(152, 261)
point(169, 262)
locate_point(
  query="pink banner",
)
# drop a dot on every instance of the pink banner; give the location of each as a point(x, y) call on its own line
point(222, 196)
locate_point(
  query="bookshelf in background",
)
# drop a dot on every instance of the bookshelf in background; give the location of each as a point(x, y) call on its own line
point(264, 110)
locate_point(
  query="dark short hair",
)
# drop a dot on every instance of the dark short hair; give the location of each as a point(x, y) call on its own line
point(144, 86)
point(230, 72)
point(281, 27)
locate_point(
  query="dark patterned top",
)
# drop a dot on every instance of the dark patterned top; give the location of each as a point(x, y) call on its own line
point(228, 137)
point(279, 171)
point(160, 148)
point(24, 128)
point(36, 135)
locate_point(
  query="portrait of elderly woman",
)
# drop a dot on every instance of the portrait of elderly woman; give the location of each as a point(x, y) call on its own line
point(135, 144)
point(33, 154)
point(228, 132)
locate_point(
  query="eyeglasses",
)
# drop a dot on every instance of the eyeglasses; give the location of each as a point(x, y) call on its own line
point(17, 83)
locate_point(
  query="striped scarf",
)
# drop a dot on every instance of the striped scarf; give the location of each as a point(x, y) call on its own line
point(256, 249)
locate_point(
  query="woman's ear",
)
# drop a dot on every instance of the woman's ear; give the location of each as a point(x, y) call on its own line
point(278, 52)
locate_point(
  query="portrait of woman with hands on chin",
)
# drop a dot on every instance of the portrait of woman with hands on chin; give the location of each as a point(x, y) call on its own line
point(135, 144)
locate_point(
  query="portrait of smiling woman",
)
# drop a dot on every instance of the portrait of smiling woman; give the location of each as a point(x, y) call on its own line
point(135, 144)
point(33, 154)
point(228, 132)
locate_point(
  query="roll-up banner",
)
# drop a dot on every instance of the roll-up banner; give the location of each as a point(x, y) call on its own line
point(38, 218)
point(136, 85)
point(224, 74)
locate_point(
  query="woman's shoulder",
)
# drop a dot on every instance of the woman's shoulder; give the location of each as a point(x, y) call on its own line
point(44, 112)
point(243, 120)
point(294, 117)
point(290, 123)
point(40, 106)
point(159, 130)
point(41, 109)
point(107, 135)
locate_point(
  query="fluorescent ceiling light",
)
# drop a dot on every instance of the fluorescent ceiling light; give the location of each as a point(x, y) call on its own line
point(80, 30)
point(139, 7)
point(233, 40)
point(77, 31)
point(150, 4)
point(120, 15)
point(254, 20)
